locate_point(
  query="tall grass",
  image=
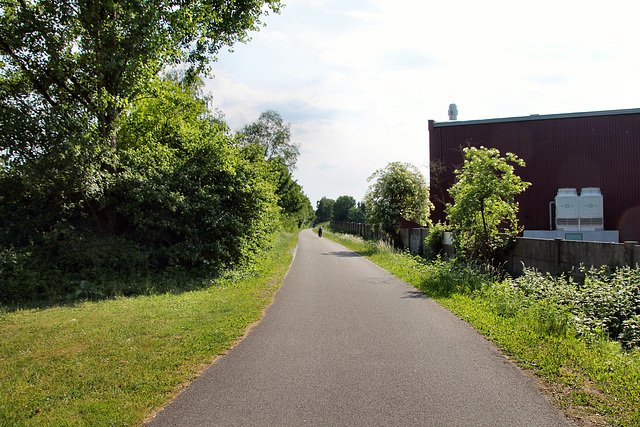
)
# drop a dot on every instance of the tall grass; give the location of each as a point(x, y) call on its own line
point(586, 374)
point(114, 362)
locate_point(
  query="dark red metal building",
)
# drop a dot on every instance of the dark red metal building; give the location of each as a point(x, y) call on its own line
point(578, 150)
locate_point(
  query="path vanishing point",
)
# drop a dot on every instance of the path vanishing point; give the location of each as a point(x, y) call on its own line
point(347, 344)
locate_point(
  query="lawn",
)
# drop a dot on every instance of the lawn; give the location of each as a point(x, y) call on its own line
point(116, 362)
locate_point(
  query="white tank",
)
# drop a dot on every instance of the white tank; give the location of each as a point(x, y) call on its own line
point(591, 209)
point(567, 209)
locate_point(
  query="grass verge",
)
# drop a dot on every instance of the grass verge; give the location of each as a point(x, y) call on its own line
point(594, 383)
point(115, 362)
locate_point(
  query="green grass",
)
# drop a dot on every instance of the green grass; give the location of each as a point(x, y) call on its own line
point(594, 382)
point(115, 362)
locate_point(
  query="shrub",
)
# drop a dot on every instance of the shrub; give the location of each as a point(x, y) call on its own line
point(603, 301)
point(434, 240)
point(442, 277)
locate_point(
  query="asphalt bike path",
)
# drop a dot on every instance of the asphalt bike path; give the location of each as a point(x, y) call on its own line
point(347, 344)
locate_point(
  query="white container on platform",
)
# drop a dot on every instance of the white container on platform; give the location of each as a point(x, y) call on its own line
point(567, 209)
point(591, 209)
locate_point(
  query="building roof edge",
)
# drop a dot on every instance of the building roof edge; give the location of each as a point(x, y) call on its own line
point(534, 117)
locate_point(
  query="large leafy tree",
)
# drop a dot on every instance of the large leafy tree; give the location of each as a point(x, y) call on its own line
point(270, 138)
point(99, 55)
point(273, 136)
point(324, 209)
point(70, 69)
point(186, 188)
point(399, 191)
point(187, 197)
point(295, 206)
point(341, 208)
point(357, 213)
point(484, 208)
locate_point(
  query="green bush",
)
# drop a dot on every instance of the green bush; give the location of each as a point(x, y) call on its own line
point(601, 301)
point(434, 240)
point(445, 277)
point(178, 197)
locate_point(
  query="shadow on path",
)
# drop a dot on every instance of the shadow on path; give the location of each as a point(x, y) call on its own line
point(414, 295)
point(342, 254)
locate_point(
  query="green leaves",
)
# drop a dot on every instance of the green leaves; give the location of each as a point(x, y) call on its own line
point(107, 169)
point(273, 137)
point(601, 301)
point(484, 201)
point(181, 196)
point(324, 209)
point(399, 192)
point(102, 55)
point(185, 187)
point(342, 207)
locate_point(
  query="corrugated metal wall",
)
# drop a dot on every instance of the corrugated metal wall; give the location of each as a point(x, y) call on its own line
point(577, 152)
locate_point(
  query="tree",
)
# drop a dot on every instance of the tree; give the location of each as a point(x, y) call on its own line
point(357, 213)
point(70, 70)
point(484, 204)
point(270, 138)
point(99, 55)
point(399, 191)
point(294, 204)
point(186, 197)
point(341, 208)
point(186, 187)
point(273, 136)
point(324, 209)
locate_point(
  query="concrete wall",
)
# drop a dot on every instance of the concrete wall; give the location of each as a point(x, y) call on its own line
point(551, 256)
point(561, 256)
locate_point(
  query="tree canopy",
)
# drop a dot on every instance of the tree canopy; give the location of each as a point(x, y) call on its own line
point(341, 208)
point(324, 209)
point(109, 170)
point(399, 191)
point(185, 197)
point(484, 204)
point(357, 213)
point(97, 56)
point(273, 136)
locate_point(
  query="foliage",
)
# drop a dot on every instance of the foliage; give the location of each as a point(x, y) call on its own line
point(398, 192)
point(115, 362)
point(357, 213)
point(189, 190)
point(341, 208)
point(270, 138)
point(273, 137)
point(184, 196)
point(109, 171)
point(443, 278)
point(99, 55)
point(484, 211)
point(434, 240)
point(603, 302)
point(324, 210)
point(294, 204)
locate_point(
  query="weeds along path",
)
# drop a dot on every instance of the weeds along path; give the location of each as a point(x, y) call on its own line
point(346, 343)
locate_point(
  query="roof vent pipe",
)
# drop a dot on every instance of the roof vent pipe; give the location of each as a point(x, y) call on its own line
point(453, 112)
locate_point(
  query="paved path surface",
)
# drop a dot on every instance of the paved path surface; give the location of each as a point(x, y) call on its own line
point(347, 344)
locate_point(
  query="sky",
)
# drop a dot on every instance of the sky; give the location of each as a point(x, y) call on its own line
point(358, 80)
